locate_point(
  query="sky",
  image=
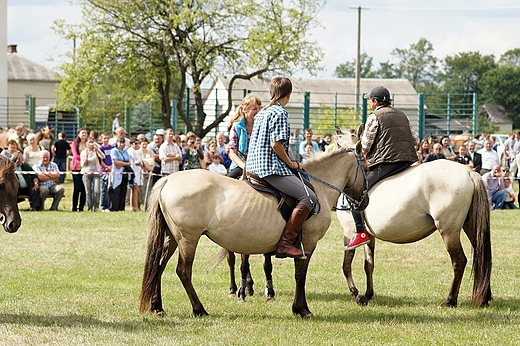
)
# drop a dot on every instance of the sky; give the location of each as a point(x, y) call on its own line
point(452, 26)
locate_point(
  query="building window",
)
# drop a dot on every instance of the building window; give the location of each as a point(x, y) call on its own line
point(27, 103)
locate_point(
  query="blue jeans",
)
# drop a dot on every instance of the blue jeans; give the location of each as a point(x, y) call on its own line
point(498, 198)
point(105, 204)
point(91, 182)
point(62, 165)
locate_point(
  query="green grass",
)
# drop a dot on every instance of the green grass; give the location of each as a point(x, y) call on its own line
point(74, 278)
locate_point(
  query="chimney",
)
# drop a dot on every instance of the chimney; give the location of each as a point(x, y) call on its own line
point(11, 48)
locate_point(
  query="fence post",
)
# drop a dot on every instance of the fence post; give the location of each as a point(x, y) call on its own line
point(420, 117)
point(364, 105)
point(449, 114)
point(128, 121)
point(306, 109)
point(105, 115)
point(32, 113)
point(173, 114)
point(187, 108)
point(216, 111)
point(335, 109)
point(474, 114)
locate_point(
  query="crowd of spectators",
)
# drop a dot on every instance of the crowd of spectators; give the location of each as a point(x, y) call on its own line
point(111, 170)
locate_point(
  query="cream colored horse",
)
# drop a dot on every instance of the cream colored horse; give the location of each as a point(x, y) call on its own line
point(186, 205)
point(440, 195)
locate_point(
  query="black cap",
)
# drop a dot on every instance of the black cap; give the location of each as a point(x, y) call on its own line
point(379, 93)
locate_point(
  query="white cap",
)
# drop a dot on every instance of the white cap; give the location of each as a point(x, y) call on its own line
point(160, 132)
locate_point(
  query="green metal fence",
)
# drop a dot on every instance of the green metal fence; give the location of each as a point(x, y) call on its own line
point(431, 114)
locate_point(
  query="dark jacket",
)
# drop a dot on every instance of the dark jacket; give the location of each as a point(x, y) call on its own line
point(477, 161)
point(394, 141)
point(432, 157)
point(29, 178)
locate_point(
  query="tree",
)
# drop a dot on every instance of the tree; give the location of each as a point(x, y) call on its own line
point(463, 72)
point(348, 69)
point(417, 64)
point(189, 42)
point(386, 70)
point(501, 86)
point(511, 57)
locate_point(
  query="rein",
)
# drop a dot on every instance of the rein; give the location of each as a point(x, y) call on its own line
point(342, 192)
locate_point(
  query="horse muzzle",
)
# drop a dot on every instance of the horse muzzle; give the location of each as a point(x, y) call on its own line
point(10, 224)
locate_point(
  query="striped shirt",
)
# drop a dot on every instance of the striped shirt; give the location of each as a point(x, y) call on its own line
point(271, 125)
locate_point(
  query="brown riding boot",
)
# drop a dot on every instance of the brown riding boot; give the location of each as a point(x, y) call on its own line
point(285, 246)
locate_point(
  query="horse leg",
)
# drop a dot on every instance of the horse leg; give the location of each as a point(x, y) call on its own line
point(268, 270)
point(458, 262)
point(184, 272)
point(232, 283)
point(156, 302)
point(299, 306)
point(244, 273)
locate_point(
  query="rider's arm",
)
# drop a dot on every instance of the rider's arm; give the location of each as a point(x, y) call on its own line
point(280, 151)
point(367, 139)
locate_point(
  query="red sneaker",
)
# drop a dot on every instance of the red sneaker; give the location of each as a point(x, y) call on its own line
point(359, 238)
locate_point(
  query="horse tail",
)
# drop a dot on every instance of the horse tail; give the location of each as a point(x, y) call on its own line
point(220, 257)
point(156, 248)
point(478, 230)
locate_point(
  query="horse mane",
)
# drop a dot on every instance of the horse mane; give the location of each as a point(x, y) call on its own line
point(7, 174)
point(318, 158)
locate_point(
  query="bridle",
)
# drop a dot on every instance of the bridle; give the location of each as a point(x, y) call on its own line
point(352, 201)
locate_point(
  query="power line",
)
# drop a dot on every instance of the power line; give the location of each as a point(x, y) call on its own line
point(446, 8)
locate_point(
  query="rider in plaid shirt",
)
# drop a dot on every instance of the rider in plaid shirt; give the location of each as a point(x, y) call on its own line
point(269, 160)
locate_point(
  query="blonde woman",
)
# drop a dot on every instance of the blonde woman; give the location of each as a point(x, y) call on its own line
point(31, 154)
point(240, 129)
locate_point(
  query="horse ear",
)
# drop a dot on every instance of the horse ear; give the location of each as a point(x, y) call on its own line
point(359, 148)
point(360, 130)
point(338, 130)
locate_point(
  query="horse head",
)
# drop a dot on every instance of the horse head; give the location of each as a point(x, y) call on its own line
point(350, 140)
point(9, 214)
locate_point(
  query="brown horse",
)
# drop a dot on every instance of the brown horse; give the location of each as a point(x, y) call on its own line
point(9, 215)
point(45, 138)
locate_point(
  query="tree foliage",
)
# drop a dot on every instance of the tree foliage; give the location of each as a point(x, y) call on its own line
point(348, 69)
point(463, 72)
point(164, 45)
point(417, 63)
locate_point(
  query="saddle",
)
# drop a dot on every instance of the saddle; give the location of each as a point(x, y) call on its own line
point(286, 203)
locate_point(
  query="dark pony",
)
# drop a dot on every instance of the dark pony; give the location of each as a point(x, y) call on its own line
point(9, 215)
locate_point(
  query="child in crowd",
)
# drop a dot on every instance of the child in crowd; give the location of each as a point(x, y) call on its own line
point(217, 166)
point(509, 201)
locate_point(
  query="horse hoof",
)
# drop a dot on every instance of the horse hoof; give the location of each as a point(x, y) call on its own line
point(269, 298)
point(232, 295)
point(241, 299)
point(361, 300)
point(448, 304)
point(160, 313)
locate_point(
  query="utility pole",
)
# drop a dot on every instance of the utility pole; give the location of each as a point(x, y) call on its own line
point(358, 56)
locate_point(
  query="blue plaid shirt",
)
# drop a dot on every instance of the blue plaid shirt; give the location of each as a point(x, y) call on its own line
point(53, 168)
point(271, 125)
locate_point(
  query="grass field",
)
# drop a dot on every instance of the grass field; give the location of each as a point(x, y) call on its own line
point(74, 279)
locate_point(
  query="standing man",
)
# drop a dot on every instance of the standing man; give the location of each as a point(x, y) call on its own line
point(49, 177)
point(169, 153)
point(116, 123)
point(106, 169)
point(120, 132)
point(489, 157)
point(308, 140)
point(389, 145)
point(158, 140)
point(475, 157)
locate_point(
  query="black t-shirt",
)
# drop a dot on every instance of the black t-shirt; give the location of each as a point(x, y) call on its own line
point(61, 146)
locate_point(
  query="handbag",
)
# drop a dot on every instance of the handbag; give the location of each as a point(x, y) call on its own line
point(131, 174)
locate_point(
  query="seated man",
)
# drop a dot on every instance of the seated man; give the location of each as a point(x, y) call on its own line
point(436, 155)
point(29, 184)
point(49, 177)
point(495, 187)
